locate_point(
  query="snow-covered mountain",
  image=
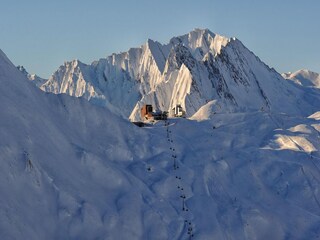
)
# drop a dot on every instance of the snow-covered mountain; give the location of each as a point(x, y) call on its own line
point(304, 78)
point(63, 168)
point(72, 170)
point(191, 70)
point(38, 81)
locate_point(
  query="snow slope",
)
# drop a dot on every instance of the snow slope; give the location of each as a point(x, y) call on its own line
point(71, 170)
point(191, 70)
point(63, 168)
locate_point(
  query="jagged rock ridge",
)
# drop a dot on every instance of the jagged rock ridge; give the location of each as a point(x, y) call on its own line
point(38, 81)
point(191, 70)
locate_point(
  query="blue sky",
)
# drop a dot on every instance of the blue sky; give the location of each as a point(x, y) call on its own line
point(41, 34)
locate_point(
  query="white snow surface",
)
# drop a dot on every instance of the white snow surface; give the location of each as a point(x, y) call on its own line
point(304, 78)
point(72, 170)
point(191, 70)
point(207, 111)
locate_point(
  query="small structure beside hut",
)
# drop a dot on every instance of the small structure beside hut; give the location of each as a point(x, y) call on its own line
point(178, 111)
point(159, 115)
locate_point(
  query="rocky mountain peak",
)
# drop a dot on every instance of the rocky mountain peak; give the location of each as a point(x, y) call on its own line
point(191, 70)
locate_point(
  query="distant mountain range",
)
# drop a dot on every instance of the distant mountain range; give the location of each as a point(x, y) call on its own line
point(305, 78)
point(192, 70)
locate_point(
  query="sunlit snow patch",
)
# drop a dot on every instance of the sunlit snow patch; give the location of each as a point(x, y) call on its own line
point(301, 128)
point(295, 143)
point(315, 116)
